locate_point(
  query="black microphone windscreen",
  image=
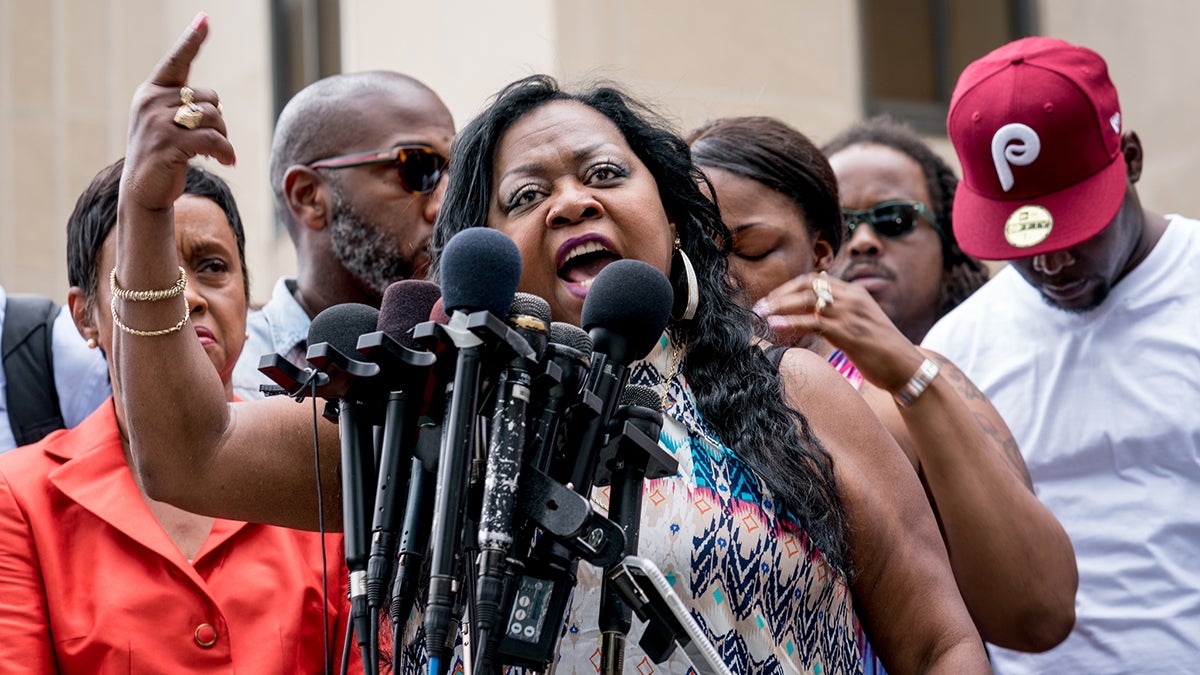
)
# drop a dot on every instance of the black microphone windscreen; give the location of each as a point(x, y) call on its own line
point(341, 325)
point(405, 304)
point(641, 395)
point(631, 299)
point(480, 269)
point(571, 336)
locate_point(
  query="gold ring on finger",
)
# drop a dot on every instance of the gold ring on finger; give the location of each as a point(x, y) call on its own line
point(189, 116)
point(187, 95)
point(820, 286)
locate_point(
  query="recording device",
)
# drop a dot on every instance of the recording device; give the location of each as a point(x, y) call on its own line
point(480, 269)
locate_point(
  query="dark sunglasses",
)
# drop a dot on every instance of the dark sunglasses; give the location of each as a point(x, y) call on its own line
point(419, 166)
point(889, 219)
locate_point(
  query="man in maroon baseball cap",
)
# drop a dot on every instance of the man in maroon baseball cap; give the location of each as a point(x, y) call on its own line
point(1088, 344)
point(1047, 172)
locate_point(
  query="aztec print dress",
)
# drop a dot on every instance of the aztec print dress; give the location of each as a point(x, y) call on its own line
point(754, 583)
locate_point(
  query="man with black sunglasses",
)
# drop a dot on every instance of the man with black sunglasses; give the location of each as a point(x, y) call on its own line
point(356, 167)
point(896, 194)
point(1088, 344)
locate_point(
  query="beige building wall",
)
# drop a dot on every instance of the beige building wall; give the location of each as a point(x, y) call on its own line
point(1154, 62)
point(68, 70)
point(69, 67)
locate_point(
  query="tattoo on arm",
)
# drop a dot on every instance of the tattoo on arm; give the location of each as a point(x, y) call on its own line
point(1001, 438)
point(965, 387)
point(1006, 446)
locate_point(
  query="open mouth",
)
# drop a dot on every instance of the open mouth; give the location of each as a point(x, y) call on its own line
point(582, 258)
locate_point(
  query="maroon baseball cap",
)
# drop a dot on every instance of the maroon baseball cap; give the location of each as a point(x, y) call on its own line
point(1037, 128)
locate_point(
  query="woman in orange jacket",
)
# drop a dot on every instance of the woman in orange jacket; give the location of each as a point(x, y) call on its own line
point(96, 577)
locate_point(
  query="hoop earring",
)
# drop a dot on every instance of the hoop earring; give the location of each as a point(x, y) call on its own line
point(683, 274)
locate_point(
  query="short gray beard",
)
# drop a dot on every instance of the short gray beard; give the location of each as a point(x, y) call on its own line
point(365, 250)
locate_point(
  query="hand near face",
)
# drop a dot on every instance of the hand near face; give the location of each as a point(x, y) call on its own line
point(853, 322)
point(159, 147)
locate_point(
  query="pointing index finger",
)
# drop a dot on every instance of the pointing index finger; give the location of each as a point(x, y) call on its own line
point(172, 70)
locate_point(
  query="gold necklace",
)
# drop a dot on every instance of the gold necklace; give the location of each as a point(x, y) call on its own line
point(676, 361)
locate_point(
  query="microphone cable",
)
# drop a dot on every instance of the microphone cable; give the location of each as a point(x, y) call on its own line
point(321, 529)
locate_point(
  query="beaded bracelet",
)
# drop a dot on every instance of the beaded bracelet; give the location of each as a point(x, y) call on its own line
point(187, 313)
point(174, 290)
point(918, 383)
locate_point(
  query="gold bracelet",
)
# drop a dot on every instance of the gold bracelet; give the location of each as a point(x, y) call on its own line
point(147, 296)
point(187, 313)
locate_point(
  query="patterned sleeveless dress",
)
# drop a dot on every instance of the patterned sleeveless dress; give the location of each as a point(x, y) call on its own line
point(748, 573)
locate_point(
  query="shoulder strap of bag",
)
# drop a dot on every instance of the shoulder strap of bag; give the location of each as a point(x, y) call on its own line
point(28, 361)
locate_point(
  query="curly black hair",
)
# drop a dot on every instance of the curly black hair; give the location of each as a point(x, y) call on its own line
point(964, 274)
point(738, 391)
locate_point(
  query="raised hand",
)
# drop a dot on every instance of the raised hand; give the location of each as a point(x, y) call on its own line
point(853, 322)
point(169, 124)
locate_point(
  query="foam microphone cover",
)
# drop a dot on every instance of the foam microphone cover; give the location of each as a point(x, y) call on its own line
point(626, 309)
point(480, 269)
point(438, 314)
point(341, 325)
point(405, 304)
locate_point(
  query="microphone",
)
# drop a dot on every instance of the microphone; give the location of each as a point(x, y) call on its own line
point(625, 313)
point(418, 508)
point(405, 368)
point(480, 270)
point(530, 317)
point(566, 367)
point(333, 334)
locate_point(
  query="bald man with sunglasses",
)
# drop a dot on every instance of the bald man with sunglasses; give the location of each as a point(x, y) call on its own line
point(357, 164)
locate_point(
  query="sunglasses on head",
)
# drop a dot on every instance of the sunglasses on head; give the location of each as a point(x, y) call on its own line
point(889, 219)
point(419, 166)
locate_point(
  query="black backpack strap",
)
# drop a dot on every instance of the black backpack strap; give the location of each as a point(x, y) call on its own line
point(28, 362)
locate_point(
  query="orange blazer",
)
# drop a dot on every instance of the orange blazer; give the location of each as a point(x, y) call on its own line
point(91, 583)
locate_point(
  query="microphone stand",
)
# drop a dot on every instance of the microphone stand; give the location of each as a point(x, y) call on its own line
point(632, 455)
point(354, 416)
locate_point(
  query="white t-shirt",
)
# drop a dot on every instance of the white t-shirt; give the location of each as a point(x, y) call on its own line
point(1106, 408)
